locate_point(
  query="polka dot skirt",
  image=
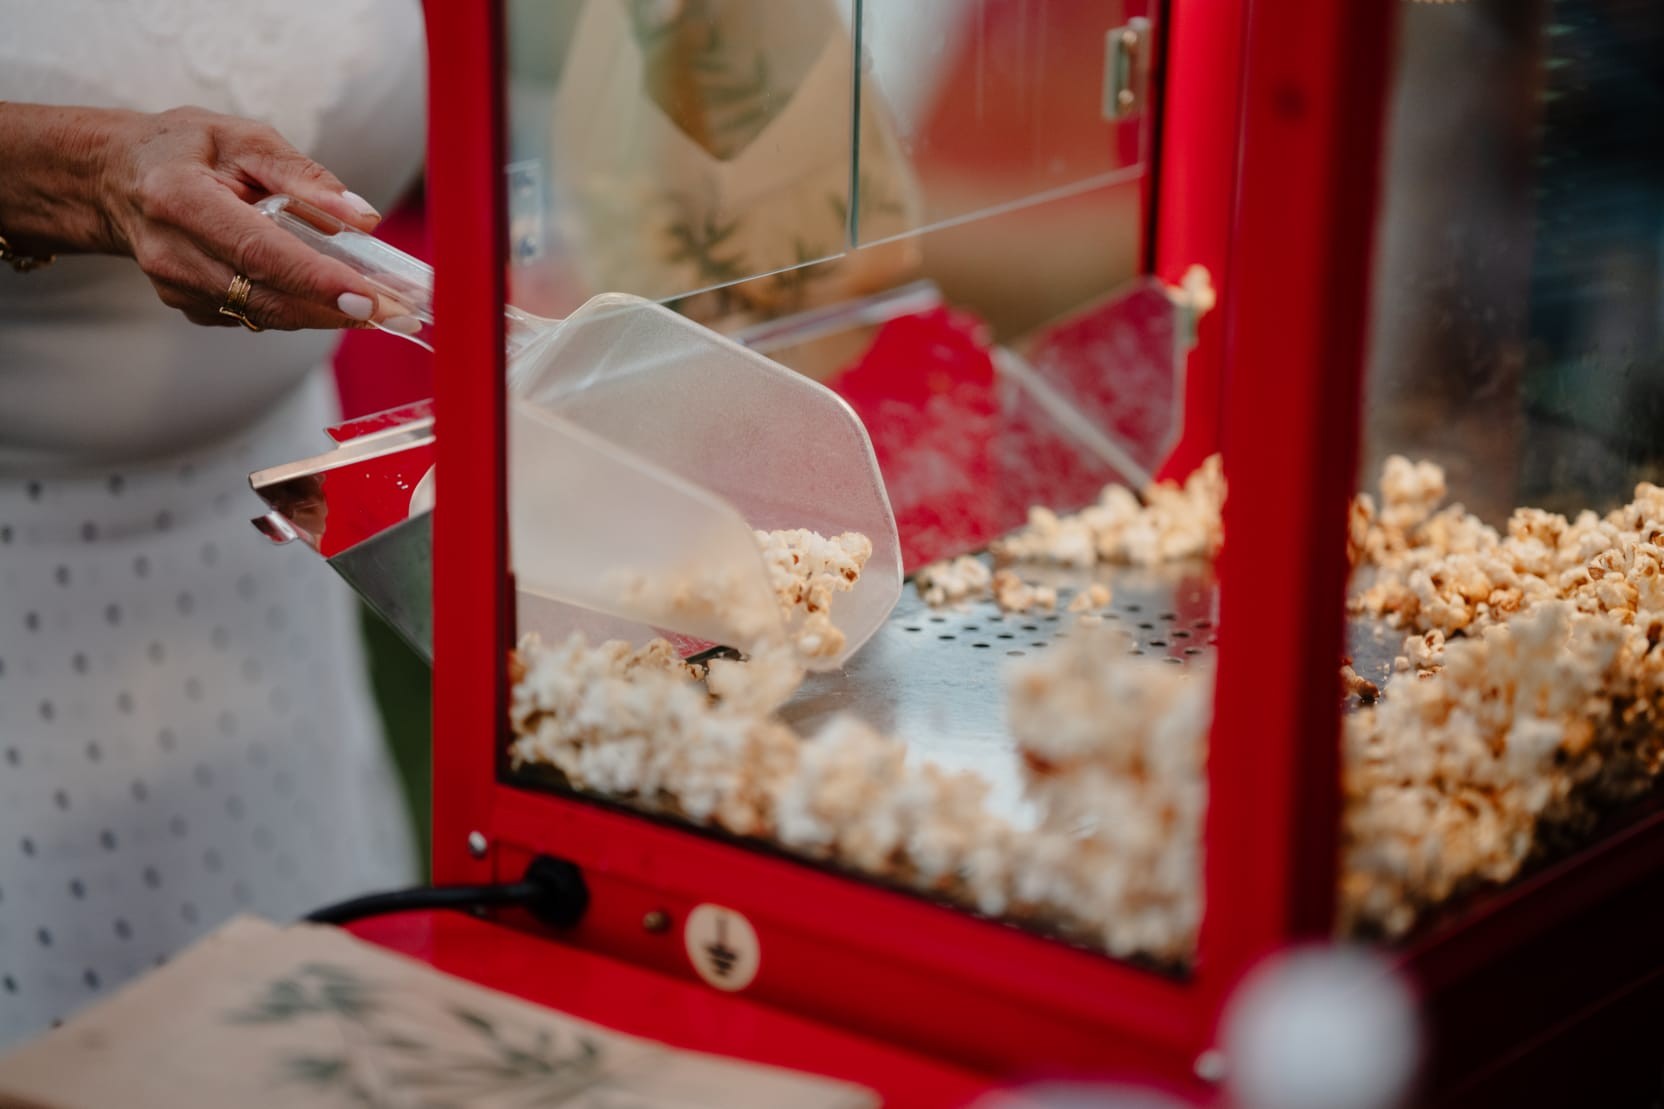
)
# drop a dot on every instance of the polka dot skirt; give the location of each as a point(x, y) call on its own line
point(185, 724)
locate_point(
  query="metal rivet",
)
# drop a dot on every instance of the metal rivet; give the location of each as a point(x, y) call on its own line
point(477, 844)
point(1210, 1065)
point(656, 921)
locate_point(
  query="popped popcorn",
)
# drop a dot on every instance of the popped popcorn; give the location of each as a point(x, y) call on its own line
point(1524, 706)
point(1013, 594)
point(1356, 685)
point(634, 723)
point(1094, 596)
point(1174, 522)
point(1444, 570)
point(952, 580)
point(1424, 652)
point(855, 800)
point(805, 569)
point(759, 684)
point(1530, 730)
point(1112, 750)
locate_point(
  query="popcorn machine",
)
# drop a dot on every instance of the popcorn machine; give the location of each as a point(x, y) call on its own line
point(1056, 806)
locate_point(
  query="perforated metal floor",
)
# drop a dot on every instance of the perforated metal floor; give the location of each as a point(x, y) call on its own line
point(936, 678)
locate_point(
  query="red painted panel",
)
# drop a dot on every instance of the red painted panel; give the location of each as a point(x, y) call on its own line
point(1196, 192)
point(1295, 307)
point(639, 1002)
point(472, 595)
point(849, 952)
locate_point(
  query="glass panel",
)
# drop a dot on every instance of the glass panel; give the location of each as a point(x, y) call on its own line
point(996, 103)
point(1017, 271)
point(1019, 735)
point(1014, 361)
point(1518, 351)
point(661, 148)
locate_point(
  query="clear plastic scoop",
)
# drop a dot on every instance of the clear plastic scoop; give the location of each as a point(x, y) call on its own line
point(644, 452)
point(403, 285)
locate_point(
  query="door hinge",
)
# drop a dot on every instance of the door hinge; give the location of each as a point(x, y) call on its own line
point(1126, 69)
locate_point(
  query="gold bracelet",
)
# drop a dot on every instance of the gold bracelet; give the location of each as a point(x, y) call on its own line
point(23, 263)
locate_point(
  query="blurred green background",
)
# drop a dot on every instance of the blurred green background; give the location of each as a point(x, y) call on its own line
point(403, 686)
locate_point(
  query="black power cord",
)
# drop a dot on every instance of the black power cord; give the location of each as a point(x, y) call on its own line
point(552, 890)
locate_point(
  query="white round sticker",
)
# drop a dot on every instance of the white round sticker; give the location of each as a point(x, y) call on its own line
point(722, 946)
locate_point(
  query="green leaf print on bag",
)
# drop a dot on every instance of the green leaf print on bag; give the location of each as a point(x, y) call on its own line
point(403, 1049)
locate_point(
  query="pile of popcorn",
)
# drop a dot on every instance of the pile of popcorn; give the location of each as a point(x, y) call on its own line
point(1430, 569)
point(638, 724)
point(1111, 755)
point(805, 570)
point(953, 580)
point(968, 578)
point(1525, 707)
point(1530, 731)
point(1113, 750)
point(1173, 522)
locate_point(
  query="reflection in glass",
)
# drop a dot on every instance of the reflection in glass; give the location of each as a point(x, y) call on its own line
point(999, 103)
point(664, 149)
point(1518, 346)
point(1519, 335)
point(700, 152)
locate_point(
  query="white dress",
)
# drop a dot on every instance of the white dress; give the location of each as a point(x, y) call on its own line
point(185, 723)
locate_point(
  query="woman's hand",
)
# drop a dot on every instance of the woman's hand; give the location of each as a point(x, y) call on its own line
point(173, 190)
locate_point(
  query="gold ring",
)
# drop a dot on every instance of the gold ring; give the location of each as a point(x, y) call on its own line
point(236, 302)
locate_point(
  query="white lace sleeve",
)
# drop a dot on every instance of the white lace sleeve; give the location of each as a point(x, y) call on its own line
point(284, 63)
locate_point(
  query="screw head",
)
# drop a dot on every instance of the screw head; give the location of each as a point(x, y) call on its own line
point(656, 921)
point(477, 844)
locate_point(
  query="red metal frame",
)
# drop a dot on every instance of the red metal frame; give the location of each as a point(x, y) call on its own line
point(849, 952)
point(1268, 177)
point(641, 1003)
point(472, 594)
point(1313, 106)
point(1195, 190)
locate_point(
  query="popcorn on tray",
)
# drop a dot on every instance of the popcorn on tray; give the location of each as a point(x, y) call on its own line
point(805, 571)
point(1524, 707)
point(953, 580)
point(1529, 732)
point(1093, 597)
point(1112, 750)
point(1354, 684)
point(636, 724)
point(1013, 594)
point(1444, 570)
point(1174, 522)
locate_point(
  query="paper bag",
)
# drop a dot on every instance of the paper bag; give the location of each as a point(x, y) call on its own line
point(261, 1017)
point(696, 143)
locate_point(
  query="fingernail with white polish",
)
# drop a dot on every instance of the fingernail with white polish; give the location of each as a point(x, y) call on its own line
point(355, 305)
point(360, 205)
point(404, 325)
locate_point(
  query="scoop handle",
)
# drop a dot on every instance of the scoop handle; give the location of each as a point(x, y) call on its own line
point(403, 285)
